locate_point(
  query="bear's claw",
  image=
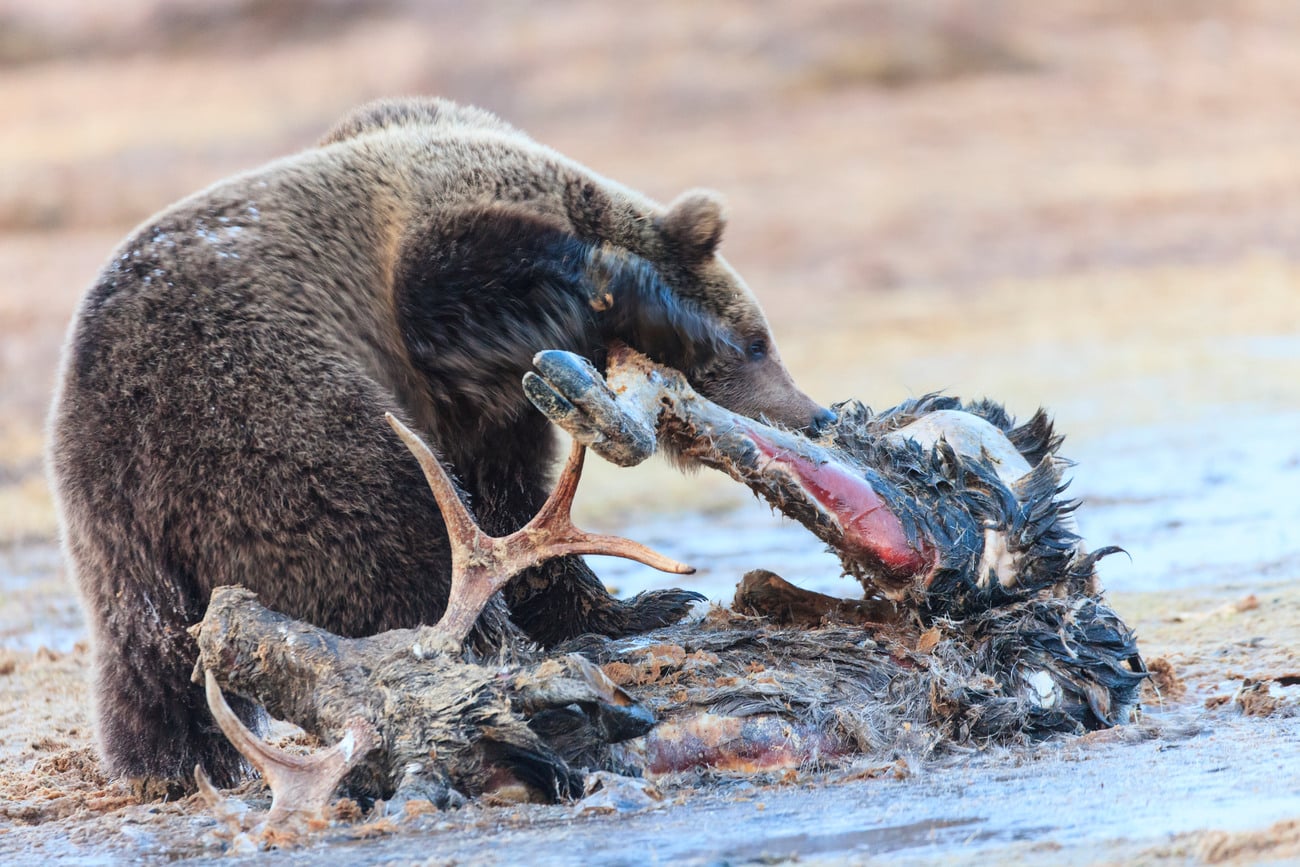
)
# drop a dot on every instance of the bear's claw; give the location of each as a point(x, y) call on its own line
point(655, 609)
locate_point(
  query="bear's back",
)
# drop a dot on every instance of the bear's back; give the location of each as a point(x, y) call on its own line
point(429, 113)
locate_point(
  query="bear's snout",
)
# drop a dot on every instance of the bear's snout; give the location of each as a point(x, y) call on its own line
point(795, 411)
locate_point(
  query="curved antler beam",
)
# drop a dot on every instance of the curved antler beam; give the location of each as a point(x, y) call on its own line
point(301, 786)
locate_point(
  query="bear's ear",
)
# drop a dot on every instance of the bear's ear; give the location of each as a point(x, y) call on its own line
point(693, 225)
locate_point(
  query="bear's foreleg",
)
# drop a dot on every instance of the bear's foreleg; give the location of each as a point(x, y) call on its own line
point(153, 723)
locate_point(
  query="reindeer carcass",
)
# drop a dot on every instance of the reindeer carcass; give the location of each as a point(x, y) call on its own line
point(981, 619)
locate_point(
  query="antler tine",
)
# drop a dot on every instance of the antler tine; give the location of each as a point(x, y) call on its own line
point(551, 532)
point(301, 786)
point(482, 564)
point(460, 525)
point(559, 505)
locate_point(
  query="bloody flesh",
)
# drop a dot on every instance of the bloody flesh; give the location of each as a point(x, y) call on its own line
point(748, 744)
point(869, 526)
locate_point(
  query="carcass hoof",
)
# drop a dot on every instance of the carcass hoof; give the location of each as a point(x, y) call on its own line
point(572, 394)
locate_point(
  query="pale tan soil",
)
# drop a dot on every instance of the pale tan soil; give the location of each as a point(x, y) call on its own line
point(1075, 204)
point(49, 770)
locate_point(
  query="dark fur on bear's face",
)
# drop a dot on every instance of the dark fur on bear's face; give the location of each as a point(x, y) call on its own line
point(744, 371)
point(219, 417)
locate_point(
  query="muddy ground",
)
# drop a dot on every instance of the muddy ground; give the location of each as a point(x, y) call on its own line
point(1093, 206)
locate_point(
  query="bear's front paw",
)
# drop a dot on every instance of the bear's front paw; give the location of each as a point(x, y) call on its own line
point(572, 394)
point(654, 609)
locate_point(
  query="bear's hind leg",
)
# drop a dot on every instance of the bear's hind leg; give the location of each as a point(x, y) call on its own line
point(154, 724)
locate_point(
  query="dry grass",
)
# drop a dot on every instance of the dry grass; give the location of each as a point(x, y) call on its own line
point(26, 512)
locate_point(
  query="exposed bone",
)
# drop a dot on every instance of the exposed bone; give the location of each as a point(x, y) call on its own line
point(998, 565)
point(482, 564)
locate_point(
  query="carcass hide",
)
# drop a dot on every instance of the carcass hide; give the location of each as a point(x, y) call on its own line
point(981, 618)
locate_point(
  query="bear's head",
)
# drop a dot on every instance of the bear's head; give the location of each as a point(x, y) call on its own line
point(692, 311)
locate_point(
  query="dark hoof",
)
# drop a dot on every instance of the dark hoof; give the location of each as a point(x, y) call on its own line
point(572, 394)
point(617, 723)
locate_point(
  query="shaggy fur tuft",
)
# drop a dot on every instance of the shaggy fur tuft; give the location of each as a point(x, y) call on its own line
point(953, 500)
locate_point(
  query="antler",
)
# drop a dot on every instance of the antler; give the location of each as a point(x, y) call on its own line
point(301, 786)
point(482, 564)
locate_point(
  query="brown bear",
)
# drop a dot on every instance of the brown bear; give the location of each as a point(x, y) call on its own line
point(220, 415)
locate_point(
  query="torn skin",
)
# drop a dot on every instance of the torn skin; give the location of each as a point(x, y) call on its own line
point(748, 744)
point(870, 528)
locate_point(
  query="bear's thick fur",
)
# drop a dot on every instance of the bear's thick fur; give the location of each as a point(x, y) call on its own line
point(220, 417)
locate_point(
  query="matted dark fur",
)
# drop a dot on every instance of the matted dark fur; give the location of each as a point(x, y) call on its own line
point(220, 414)
point(948, 500)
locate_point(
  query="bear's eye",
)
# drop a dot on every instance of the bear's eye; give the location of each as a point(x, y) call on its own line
point(757, 350)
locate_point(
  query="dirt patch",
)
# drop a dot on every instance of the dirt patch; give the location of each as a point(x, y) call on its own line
point(1277, 843)
point(1164, 684)
point(1264, 698)
point(1280, 841)
point(48, 770)
point(65, 784)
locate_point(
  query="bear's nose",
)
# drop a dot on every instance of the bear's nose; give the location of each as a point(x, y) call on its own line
point(821, 420)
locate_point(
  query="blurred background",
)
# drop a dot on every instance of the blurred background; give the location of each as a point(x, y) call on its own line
point(1090, 204)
